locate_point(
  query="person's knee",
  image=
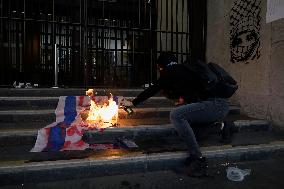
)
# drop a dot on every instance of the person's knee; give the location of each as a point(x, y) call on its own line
point(176, 115)
point(173, 115)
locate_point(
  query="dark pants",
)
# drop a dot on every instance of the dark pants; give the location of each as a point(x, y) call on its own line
point(204, 112)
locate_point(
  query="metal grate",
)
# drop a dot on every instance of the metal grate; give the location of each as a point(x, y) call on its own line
point(106, 43)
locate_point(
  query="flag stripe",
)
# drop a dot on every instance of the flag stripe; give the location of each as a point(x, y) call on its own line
point(70, 111)
point(56, 138)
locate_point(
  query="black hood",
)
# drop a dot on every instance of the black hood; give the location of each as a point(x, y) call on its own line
point(166, 59)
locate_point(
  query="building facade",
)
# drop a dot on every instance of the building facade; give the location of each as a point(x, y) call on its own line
point(103, 43)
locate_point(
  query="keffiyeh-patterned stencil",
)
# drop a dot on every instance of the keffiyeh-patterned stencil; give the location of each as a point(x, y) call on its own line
point(245, 30)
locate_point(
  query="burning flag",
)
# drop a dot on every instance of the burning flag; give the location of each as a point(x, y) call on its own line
point(102, 113)
point(75, 115)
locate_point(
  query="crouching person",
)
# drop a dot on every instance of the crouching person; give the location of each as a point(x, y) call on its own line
point(194, 106)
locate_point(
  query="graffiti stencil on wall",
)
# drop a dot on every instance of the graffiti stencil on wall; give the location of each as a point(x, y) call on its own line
point(245, 30)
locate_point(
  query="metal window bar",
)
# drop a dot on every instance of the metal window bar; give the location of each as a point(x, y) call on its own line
point(109, 52)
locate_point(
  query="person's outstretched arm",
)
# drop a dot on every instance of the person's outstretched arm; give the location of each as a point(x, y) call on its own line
point(149, 92)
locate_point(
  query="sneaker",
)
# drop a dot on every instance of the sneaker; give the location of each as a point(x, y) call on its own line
point(227, 131)
point(198, 167)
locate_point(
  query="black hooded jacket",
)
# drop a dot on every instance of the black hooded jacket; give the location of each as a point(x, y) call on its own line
point(175, 81)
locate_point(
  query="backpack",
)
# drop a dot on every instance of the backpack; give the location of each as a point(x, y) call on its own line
point(216, 81)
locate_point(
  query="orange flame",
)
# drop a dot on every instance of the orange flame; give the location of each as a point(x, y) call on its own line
point(102, 115)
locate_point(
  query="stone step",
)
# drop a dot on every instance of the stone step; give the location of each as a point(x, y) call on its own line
point(153, 132)
point(30, 124)
point(48, 115)
point(41, 103)
point(150, 139)
point(40, 167)
point(50, 92)
point(17, 137)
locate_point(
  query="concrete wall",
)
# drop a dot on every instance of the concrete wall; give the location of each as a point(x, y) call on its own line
point(260, 75)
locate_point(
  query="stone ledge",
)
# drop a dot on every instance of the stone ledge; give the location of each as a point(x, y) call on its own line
point(18, 137)
point(48, 115)
point(69, 169)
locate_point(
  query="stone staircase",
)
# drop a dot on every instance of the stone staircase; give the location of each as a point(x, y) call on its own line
point(24, 111)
